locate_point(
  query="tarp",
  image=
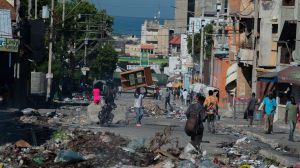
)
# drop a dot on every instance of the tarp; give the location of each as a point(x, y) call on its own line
point(268, 77)
point(290, 75)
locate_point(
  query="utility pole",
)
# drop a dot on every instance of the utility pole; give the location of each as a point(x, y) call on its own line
point(35, 9)
point(63, 13)
point(49, 74)
point(212, 56)
point(254, 72)
point(202, 47)
point(29, 9)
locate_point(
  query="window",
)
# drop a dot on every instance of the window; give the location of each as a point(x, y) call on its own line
point(288, 2)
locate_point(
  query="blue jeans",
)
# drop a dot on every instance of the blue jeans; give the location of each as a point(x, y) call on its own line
point(139, 114)
point(292, 130)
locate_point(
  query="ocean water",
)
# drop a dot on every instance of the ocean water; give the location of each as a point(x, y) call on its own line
point(129, 25)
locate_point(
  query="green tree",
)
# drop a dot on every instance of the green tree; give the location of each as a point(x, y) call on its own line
point(208, 42)
point(105, 62)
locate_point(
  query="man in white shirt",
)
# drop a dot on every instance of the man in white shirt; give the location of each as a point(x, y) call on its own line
point(138, 106)
point(184, 95)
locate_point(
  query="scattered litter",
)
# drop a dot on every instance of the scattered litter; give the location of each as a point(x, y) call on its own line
point(186, 164)
point(39, 160)
point(29, 111)
point(68, 156)
point(168, 164)
point(207, 164)
point(242, 140)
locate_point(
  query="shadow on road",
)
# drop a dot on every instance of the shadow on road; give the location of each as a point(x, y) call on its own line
point(12, 130)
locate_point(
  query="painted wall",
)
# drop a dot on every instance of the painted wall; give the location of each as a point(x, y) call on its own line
point(219, 79)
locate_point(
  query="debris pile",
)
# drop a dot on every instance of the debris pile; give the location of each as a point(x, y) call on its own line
point(241, 153)
point(152, 108)
point(75, 149)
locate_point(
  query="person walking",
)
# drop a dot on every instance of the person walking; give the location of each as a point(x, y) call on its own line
point(269, 109)
point(291, 116)
point(184, 96)
point(138, 106)
point(167, 99)
point(251, 108)
point(211, 106)
point(120, 90)
point(96, 95)
point(196, 112)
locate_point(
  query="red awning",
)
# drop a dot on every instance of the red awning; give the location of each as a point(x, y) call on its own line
point(147, 46)
point(175, 40)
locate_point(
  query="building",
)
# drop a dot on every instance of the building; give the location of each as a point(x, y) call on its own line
point(133, 50)
point(156, 36)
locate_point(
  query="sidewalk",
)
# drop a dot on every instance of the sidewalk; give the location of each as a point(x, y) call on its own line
point(281, 150)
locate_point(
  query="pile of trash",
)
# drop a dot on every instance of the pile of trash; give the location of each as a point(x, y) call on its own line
point(75, 149)
point(242, 153)
point(152, 108)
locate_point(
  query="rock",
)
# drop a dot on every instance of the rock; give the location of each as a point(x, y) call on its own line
point(92, 113)
point(68, 156)
point(22, 144)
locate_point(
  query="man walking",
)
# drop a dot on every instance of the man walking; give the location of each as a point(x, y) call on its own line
point(251, 108)
point(138, 106)
point(291, 116)
point(184, 95)
point(197, 112)
point(167, 99)
point(211, 106)
point(270, 109)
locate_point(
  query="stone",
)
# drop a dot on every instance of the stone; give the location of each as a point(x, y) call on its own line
point(92, 113)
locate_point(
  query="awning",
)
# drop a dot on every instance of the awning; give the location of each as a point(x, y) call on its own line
point(177, 85)
point(232, 73)
point(268, 77)
point(290, 75)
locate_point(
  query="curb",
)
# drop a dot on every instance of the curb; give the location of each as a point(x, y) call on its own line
point(283, 160)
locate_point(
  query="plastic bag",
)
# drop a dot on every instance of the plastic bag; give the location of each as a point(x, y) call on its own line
point(68, 156)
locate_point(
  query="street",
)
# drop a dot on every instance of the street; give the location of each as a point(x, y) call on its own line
point(231, 146)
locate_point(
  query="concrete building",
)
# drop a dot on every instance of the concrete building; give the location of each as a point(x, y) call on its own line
point(133, 50)
point(156, 36)
point(181, 16)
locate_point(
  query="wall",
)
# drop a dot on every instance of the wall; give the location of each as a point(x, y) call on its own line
point(219, 79)
point(243, 87)
point(181, 16)
point(163, 41)
point(133, 50)
point(269, 14)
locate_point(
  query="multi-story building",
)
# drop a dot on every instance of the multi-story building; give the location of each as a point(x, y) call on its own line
point(156, 37)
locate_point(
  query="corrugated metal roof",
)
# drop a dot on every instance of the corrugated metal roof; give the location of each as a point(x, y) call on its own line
point(5, 23)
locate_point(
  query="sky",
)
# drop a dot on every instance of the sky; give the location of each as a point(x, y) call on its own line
point(137, 8)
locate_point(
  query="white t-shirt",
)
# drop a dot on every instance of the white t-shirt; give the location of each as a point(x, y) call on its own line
point(138, 102)
point(184, 94)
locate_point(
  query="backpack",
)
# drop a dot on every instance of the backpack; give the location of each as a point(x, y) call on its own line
point(192, 123)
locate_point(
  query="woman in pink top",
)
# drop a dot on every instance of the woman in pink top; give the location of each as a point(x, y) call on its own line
point(96, 95)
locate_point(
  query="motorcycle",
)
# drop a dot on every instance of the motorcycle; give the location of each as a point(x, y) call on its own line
point(105, 115)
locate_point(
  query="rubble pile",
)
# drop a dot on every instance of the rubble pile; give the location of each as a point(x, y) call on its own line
point(244, 152)
point(75, 149)
point(152, 108)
